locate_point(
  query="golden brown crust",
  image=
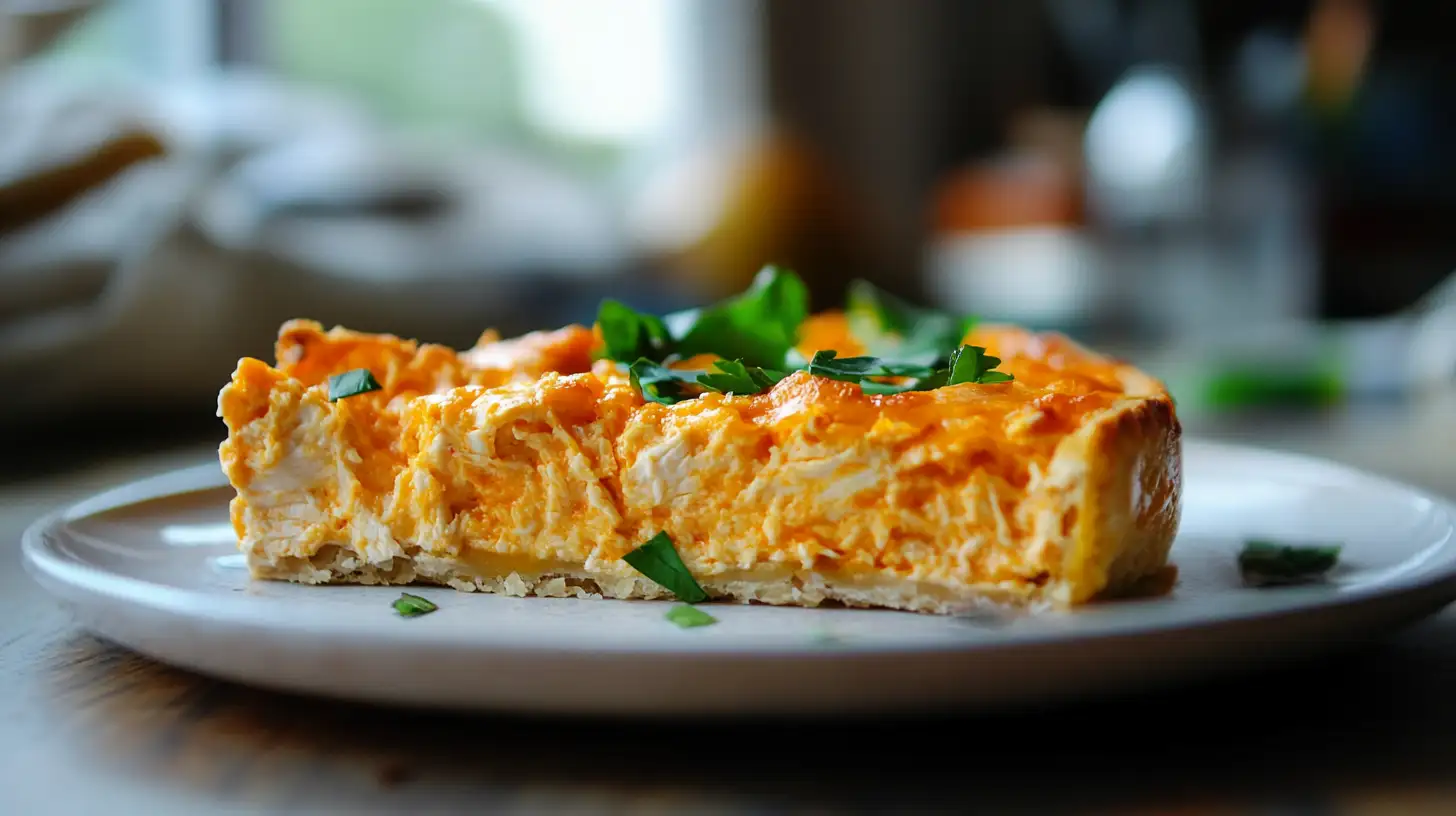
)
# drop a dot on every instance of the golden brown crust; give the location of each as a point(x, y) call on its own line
point(1131, 498)
point(766, 584)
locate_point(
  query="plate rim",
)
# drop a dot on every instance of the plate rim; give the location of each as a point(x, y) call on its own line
point(68, 578)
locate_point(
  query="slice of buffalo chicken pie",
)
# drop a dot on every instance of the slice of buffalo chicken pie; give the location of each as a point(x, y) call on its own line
point(882, 455)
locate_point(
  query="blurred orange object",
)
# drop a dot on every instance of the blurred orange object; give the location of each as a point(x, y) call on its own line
point(715, 217)
point(1008, 242)
point(1338, 39)
point(1010, 192)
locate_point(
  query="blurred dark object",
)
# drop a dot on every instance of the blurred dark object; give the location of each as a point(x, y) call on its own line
point(1375, 125)
point(323, 178)
point(897, 95)
point(1356, 100)
point(1313, 181)
point(27, 199)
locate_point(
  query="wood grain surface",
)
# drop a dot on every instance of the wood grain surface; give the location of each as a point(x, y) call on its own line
point(86, 727)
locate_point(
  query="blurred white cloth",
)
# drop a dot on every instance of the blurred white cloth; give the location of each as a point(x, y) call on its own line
point(147, 289)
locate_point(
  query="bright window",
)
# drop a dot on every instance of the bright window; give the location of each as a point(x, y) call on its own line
point(597, 79)
point(602, 71)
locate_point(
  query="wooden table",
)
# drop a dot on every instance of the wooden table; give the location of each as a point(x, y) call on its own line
point(89, 728)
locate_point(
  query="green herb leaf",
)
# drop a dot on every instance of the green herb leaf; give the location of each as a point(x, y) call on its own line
point(659, 561)
point(352, 383)
point(733, 377)
point(413, 606)
point(973, 364)
point(754, 334)
point(628, 334)
point(889, 327)
point(669, 386)
point(1266, 562)
point(687, 617)
point(829, 364)
point(661, 384)
point(759, 326)
point(967, 364)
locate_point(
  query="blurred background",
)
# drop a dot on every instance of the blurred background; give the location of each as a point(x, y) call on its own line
point(1254, 200)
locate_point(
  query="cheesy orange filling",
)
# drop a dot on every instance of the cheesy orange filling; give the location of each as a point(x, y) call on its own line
point(520, 452)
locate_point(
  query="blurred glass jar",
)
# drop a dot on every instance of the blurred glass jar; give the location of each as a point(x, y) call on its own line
point(1199, 236)
point(1008, 243)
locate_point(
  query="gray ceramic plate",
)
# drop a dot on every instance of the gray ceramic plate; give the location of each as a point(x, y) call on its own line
point(153, 566)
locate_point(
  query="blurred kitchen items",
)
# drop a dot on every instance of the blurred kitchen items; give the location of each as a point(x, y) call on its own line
point(715, 214)
point(1009, 242)
point(1202, 214)
point(138, 262)
point(1432, 321)
point(369, 206)
point(1312, 364)
point(1147, 155)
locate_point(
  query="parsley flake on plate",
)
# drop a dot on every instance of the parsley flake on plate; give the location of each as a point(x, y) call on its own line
point(1263, 562)
point(826, 637)
point(413, 606)
point(351, 384)
point(687, 617)
point(658, 560)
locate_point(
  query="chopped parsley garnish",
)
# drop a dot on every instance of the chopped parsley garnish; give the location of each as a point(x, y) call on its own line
point(659, 561)
point(1266, 562)
point(628, 334)
point(971, 364)
point(659, 383)
point(413, 606)
point(687, 617)
point(352, 384)
point(967, 364)
point(733, 377)
point(892, 328)
point(854, 369)
point(758, 327)
point(754, 334)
